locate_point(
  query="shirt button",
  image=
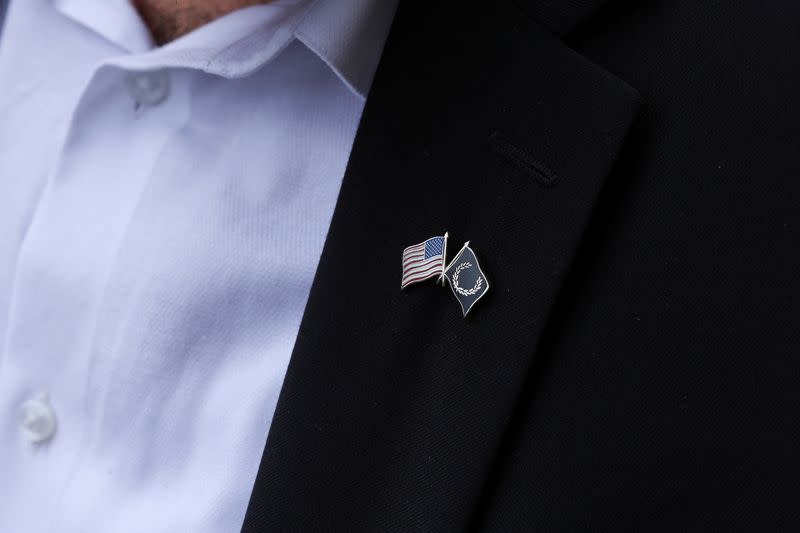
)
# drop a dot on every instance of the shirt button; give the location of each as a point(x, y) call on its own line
point(38, 419)
point(148, 88)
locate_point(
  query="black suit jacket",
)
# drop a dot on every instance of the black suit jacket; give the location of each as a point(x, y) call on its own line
point(628, 174)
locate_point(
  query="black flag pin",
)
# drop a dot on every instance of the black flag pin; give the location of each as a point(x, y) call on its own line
point(466, 278)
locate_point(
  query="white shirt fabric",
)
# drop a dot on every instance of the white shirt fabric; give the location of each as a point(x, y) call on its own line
point(158, 240)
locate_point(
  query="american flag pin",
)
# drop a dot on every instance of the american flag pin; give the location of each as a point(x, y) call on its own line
point(424, 261)
point(427, 260)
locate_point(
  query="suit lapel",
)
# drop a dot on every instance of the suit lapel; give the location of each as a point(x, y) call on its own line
point(560, 17)
point(483, 124)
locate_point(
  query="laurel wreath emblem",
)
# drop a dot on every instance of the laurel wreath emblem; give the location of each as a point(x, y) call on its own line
point(466, 292)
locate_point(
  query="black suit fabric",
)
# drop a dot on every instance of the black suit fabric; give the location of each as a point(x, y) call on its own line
point(628, 175)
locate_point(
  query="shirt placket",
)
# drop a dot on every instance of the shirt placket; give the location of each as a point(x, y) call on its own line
point(121, 125)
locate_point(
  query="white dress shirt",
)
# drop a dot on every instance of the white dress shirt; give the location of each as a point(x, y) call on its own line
point(162, 214)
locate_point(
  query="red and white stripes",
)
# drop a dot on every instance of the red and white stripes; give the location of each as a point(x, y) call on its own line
point(417, 267)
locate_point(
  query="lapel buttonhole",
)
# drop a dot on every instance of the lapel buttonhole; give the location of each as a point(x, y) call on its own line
point(540, 173)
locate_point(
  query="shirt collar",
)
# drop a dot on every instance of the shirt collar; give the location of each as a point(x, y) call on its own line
point(348, 35)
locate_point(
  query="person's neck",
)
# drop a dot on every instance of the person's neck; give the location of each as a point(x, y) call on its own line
point(169, 19)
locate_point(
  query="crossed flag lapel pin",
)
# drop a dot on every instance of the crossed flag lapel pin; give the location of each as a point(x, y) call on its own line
point(427, 260)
